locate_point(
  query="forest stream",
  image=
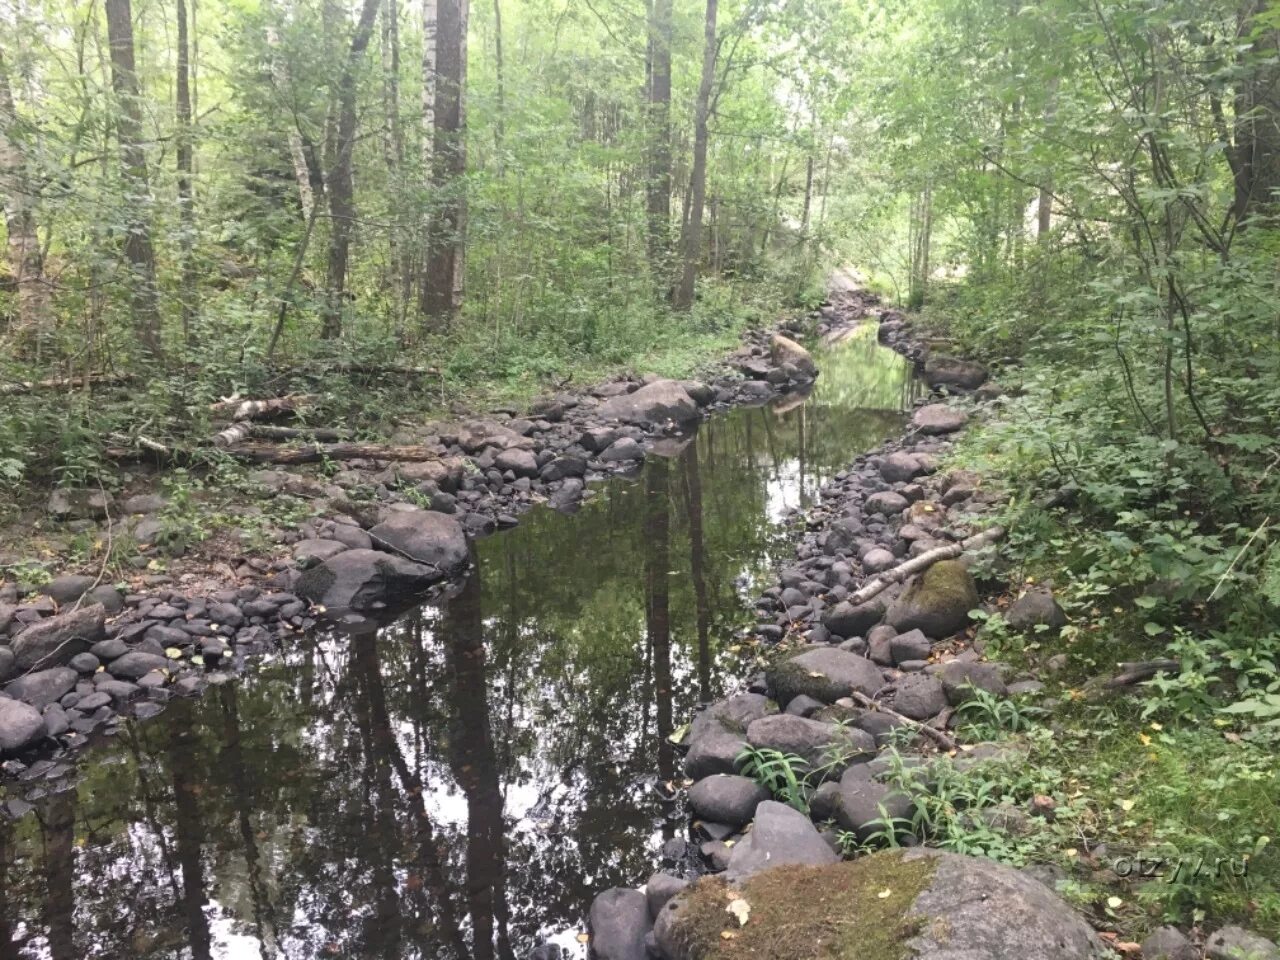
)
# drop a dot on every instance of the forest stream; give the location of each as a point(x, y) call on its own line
point(279, 815)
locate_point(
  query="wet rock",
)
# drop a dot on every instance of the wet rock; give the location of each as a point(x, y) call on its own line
point(359, 579)
point(846, 620)
point(1035, 608)
point(938, 418)
point(55, 720)
point(660, 888)
point(937, 601)
point(623, 449)
point(43, 686)
point(67, 589)
point(726, 798)
point(425, 537)
point(900, 467)
point(520, 462)
point(785, 350)
point(960, 679)
point(226, 613)
point(1168, 943)
point(941, 370)
point(861, 805)
point(824, 673)
point(59, 638)
point(702, 394)
point(803, 706)
point(107, 596)
point(718, 734)
point(655, 403)
point(827, 745)
point(84, 663)
point(1235, 943)
point(137, 664)
point(598, 439)
point(619, 923)
point(919, 696)
point(21, 725)
point(562, 468)
point(310, 552)
point(6, 662)
point(779, 836)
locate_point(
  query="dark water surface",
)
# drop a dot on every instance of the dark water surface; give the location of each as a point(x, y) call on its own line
point(463, 782)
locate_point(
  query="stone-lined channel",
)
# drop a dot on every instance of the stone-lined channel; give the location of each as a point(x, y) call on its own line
point(463, 781)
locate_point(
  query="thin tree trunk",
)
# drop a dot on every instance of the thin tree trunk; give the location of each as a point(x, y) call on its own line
point(1044, 205)
point(429, 15)
point(26, 259)
point(691, 244)
point(446, 251)
point(143, 294)
point(658, 189)
point(341, 180)
point(499, 130)
point(297, 151)
point(186, 197)
point(1256, 156)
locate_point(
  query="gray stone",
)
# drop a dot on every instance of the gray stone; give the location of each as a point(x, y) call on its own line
point(900, 467)
point(561, 468)
point(726, 798)
point(84, 663)
point(785, 350)
point(6, 662)
point(937, 418)
point(310, 552)
point(621, 450)
point(912, 645)
point(425, 537)
point(878, 560)
point(144, 503)
point(779, 836)
point(718, 734)
point(804, 705)
point(1168, 943)
point(960, 678)
point(1236, 943)
point(886, 502)
point(919, 696)
point(824, 673)
point(108, 596)
point(58, 639)
point(136, 664)
point(352, 536)
point(1033, 609)
point(846, 620)
point(21, 725)
point(55, 720)
point(941, 370)
point(226, 613)
point(109, 649)
point(660, 888)
point(520, 462)
point(67, 589)
point(42, 687)
point(936, 602)
point(73, 504)
point(657, 402)
point(619, 923)
point(826, 747)
point(862, 805)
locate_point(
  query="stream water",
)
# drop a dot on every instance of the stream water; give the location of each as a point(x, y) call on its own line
point(463, 781)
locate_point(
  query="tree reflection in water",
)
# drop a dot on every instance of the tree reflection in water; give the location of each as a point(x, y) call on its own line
point(461, 782)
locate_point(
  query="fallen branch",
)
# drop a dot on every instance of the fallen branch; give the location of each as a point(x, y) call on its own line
point(265, 432)
point(937, 736)
point(1141, 670)
point(233, 434)
point(268, 453)
point(923, 562)
point(258, 409)
point(64, 383)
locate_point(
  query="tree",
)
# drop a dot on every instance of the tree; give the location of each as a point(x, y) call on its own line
point(691, 240)
point(184, 156)
point(143, 294)
point(658, 188)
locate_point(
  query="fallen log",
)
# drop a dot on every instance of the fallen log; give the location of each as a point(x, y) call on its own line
point(923, 562)
point(937, 736)
point(257, 409)
point(64, 383)
point(269, 453)
point(233, 434)
point(1137, 672)
point(320, 434)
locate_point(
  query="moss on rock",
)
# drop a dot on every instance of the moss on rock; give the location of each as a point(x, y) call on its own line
point(937, 602)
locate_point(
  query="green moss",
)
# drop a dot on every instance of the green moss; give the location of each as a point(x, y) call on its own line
point(837, 912)
point(788, 679)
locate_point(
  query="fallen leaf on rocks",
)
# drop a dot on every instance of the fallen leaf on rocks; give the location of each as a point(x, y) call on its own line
point(740, 909)
point(884, 894)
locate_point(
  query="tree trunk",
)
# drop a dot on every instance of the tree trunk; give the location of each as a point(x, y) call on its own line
point(429, 12)
point(341, 181)
point(658, 189)
point(691, 242)
point(185, 162)
point(302, 172)
point(143, 294)
point(446, 250)
point(499, 130)
point(1044, 205)
point(26, 260)
point(1256, 154)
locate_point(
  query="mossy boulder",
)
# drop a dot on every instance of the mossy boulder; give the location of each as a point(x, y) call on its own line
point(937, 602)
point(915, 904)
point(824, 673)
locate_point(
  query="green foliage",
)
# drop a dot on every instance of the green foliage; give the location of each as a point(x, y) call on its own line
point(984, 716)
point(784, 775)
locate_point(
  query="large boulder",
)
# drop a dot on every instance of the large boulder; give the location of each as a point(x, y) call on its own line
point(42, 687)
point(58, 639)
point(726, 798)
point(941, 370)
point(361, 579)
point(619, 924)
point(68, 588)
point(657, 402)
point(785, 350)
point(1236, 943)
point(826, 747)
point(21, 725)
point(780, 835)
point(937, 602)
point(938, 418)
point(718, 734)
point(862, 805)
point(899, 467)
point(425, 537)
point(917, 904)
point(824, 673)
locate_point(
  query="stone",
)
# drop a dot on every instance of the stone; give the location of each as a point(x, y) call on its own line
point(938, 418)
point(846, 620)
point(824, 673)
point(828, 747)
point(878, 560)
point(598, 439)
point(660, 888)
point(702, 394)
point(108, 596)
point(886, 502)
point(74, 504)
point(1168, 943)
point(718, 734)
point(861, 804)
point(144, 503)
point(779, 836)
point(137, 664)
point(619, 924)
point(310, 552)
point(109, 649)
point(621, 450)
point(561, 468)
point(654, 403)
point(919, 696)
point(1035, 608)
point(520, 462)
point(6, 662)
point(58, 639)
point(84, 663)
point(936, 602)
point(1236, 943)
point(961, 678)
point(941, 370)
point(68, 589)
point(227, 614)
point(899, 467)
point(352, 536)
point(43, 686)
point(360, 579)
point(785, 350)
point(726, 798)
point(803, 705)
point(21, 725)
point(425, 537)
point(475, 435)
